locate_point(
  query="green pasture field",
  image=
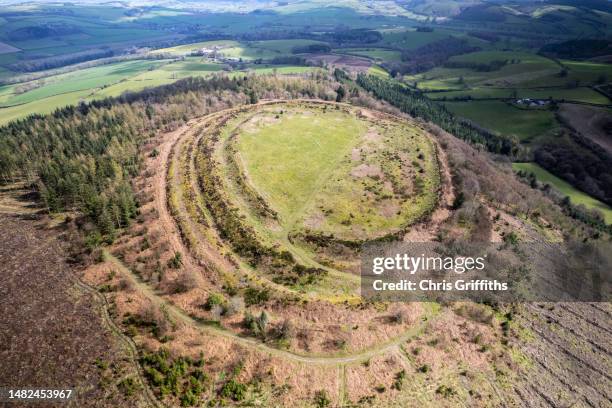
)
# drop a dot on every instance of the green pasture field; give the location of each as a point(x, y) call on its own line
point(305, 151)
point(576, 196)
point(488, 56)
point(41, 106)
point(162, 75)
point(248, 53)
point(527, 77)
point(504, 119)
point(588, 72)
point(69, 89)
point(187, 48)
point(281, 47)
point(331, 171)
point(581, 73)
point(581, 94)
point(378, 70)
point(193, 66)
point(263, 69)
point(475, 93)
point(246, 50)
point(522, 80)
point(265, 49)
point(86, 79)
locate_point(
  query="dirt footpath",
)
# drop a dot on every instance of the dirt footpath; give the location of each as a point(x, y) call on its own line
point(52, 331)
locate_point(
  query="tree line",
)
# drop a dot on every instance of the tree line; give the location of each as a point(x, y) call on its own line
point(429, 56)
point(582, 163)
point(60, 61)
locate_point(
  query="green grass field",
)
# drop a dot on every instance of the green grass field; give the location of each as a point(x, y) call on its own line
point(278, 69)
point(580, 72)
point(187, 48)
point(248, 50)
point(164, 74)
point(504, 119)
point(525, 78)
point(81, 80)
point(526, 68)
point(576, 196)
point(41, 106)
point(581, 94)
point(475, 93)
point(332, 173)
point(378, 70)
point(71, 88)
point(280, 47)
point(191, 67)
point(304, 151)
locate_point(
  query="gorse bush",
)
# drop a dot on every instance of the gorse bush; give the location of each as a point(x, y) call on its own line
point(181, 377)
point(321, 399)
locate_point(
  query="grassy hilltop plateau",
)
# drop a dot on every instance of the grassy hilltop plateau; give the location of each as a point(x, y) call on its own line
point(187, 189)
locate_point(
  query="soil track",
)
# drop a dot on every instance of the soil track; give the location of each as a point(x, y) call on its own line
point(170, 230)
point(426, 231)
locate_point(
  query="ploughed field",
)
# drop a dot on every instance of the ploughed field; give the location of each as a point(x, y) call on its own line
point(303, 185)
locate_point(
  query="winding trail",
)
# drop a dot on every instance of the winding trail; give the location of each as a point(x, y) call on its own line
point(179, 314)
point(129, 344)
